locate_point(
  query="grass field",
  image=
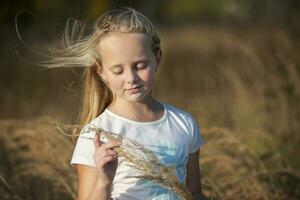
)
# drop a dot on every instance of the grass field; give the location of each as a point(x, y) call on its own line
point(243, 86)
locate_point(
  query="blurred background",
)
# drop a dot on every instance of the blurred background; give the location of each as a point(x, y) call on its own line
point(233, 64)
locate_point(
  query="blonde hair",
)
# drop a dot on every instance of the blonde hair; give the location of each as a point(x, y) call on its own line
point(82, 51)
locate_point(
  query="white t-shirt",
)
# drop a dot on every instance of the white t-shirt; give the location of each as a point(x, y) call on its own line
point(172, 138)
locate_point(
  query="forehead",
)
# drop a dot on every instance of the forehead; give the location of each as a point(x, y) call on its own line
point(124, 37)
point(118, 45)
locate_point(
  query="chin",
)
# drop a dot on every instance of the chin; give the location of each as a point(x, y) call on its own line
point(137, 97)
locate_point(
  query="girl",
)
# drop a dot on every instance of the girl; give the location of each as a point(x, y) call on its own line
point(121, 59)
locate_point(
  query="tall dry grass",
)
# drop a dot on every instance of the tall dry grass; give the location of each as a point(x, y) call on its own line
point(35, 160)
point(235, 170)
point(242, 85)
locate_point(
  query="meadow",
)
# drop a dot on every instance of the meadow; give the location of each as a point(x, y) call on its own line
point(241, 84)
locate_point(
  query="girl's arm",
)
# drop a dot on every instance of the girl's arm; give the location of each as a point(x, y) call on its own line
point(193, 179)
point(88, 186)
point(96, 182)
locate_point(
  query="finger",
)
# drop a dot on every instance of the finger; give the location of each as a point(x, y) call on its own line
point(109, 159)
point(97, 142)
point(109, 152)
point(110, 145)
point(101, 154)
point(106, 160)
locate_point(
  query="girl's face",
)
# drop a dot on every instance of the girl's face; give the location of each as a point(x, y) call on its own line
point(128, 65)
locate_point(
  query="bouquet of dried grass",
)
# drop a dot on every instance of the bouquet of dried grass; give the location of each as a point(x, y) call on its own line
point(146, 162)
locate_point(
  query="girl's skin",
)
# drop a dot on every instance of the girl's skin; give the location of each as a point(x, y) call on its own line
point(127, 62)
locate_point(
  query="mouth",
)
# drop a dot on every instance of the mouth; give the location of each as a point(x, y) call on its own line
point(133, 88)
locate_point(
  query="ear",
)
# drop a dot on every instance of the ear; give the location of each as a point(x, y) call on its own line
point(158, 59)
point(156, 67)
point(100, 73)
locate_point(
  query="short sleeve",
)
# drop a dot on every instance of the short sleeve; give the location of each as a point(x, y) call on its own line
point(84, 148)
point(197, 139)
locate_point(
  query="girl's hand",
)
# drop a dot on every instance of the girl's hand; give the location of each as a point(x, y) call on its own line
point(106, 160)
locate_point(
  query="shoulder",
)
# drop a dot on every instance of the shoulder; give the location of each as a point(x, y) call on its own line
point(177, 111)
point(180, 115)
point(95, 124)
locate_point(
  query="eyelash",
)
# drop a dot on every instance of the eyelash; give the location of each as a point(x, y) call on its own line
point(138, 68)
point(118, 72)
point(143, 66)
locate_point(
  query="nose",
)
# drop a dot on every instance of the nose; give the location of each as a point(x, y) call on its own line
point(131, 76)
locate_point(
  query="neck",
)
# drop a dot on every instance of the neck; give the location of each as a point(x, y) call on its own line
point(146, 110)
point(147, 104)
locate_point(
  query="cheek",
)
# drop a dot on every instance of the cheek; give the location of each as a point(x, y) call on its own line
point(115, 82)
point(148, 76)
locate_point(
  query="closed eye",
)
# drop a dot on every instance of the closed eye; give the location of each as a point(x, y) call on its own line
point(141, 66)
point(117, 70)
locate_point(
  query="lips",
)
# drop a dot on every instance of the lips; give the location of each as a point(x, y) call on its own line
point(136, 87)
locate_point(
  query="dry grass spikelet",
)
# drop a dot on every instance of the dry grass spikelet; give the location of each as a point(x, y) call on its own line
point(146, 162)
